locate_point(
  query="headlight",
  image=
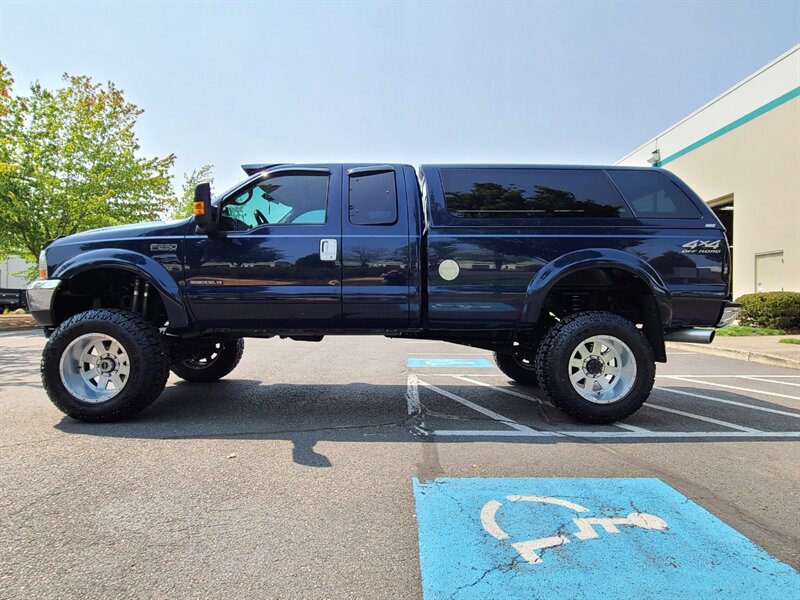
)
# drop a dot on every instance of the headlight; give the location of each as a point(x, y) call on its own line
point(42, 265)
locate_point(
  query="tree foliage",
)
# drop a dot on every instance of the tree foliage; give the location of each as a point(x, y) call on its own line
point(185, 203)
point(69, 161)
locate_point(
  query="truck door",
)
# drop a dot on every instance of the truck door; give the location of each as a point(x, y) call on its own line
point(375, 249)
point(277, 264)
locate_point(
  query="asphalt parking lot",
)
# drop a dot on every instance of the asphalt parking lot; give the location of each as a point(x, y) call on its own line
point(294, 477)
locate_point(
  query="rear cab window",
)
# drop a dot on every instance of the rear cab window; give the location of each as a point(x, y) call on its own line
point(510, 193)
point(652, 195)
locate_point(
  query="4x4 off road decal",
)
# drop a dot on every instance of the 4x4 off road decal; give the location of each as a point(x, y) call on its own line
point(702, 247)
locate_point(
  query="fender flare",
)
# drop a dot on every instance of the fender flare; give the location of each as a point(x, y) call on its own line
point(592, 258)
point(143, 266)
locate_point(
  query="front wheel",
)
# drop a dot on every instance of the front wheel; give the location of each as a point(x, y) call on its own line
point(104, 365)
point(210, 362)
point(596, 366)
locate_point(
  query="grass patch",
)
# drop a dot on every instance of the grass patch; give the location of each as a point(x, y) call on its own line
point(742, 330)
point(790, 341)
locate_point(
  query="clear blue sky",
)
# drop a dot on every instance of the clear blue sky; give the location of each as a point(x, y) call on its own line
point(233, 82)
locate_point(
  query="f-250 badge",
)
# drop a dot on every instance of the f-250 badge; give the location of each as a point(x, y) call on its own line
point(163, 247)
point(702, 247)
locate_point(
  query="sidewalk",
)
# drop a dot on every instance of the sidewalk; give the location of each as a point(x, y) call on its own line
point(764, 349)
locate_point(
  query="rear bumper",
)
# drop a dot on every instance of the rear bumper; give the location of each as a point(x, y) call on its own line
point(730, 311)
point(40, 295)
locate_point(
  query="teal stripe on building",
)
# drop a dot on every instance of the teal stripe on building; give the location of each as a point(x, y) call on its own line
point(731, 126)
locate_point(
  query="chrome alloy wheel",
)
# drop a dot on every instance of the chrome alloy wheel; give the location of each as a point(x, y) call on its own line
point(602, 369)
point(94, 367)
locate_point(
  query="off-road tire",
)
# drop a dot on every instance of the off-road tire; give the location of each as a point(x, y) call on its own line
point(515, 369)
point(149, 364)
point(230, 354)
point(555, 351)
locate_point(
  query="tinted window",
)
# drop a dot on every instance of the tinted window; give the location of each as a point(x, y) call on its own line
point(525, 193)
point(652, 195)
point(373, 199)
point(280, 200)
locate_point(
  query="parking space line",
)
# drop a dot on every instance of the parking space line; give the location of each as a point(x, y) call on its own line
point(727, 376)
point(702, 418)
point(528, 397)
point(617, 434)
point(412, 396)
point(632, 428)
point(499, 389)
point(753, 378)
point(731, 387)
point(478, 408)
point(731, 402)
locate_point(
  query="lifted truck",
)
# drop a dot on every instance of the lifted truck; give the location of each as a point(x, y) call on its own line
point(573, 276)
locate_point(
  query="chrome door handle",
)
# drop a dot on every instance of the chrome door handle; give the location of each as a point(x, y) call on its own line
point(327, 249)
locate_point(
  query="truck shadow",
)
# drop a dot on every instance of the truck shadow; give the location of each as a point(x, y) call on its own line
point(365, 412)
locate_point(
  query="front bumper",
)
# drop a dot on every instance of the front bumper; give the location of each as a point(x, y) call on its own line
point(730, 311)
point(40, 295)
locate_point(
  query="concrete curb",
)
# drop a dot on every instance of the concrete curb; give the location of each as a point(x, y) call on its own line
point(8, 322)
point(754, 357)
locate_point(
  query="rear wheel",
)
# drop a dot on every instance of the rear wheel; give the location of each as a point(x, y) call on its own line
point(517, 366)
point(211, 362)
point(596, 366)
point(104, 365)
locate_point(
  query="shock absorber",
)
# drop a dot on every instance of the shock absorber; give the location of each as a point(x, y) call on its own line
point(135, 299)
point(145, 295)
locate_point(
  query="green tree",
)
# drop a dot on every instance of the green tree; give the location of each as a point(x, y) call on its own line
point(185, 203)
point(69, 161)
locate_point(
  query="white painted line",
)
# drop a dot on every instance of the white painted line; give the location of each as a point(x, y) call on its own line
point(478, 408)
point(618, 434)
point(631, 427)
point(412, 396)
point(732, 387)
point(679, 353)
point(718, 376)
point(754, 378)
point(499, 389)
point(531, 398)
point(721, 376)
point(731, 402)
point(702, 418)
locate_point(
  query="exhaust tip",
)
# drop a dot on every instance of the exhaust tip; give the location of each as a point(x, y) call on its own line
point(691, 336)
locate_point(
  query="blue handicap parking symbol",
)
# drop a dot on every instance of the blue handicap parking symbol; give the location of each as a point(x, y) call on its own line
point(446, 363)
point(584, 538)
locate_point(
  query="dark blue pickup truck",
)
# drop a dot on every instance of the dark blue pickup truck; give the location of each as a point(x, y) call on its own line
point(573, 276)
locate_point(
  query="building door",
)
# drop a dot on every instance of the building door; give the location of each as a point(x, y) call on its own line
point(769, 272)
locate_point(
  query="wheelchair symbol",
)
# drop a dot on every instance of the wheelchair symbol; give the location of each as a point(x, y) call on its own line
point(586, 525)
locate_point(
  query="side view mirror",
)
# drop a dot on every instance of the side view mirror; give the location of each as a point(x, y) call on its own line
point(203, 211)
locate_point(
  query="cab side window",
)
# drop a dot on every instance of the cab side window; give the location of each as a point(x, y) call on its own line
point(373, 199)
point(291, 199)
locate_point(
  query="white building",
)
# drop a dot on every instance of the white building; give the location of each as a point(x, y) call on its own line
point(9, 272)
point(741, 154)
